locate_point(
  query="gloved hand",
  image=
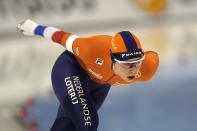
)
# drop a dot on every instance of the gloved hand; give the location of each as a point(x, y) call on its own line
point(27, 27)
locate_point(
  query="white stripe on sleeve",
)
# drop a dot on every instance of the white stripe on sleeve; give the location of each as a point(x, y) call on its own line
point(69, 42)
point(49, 31)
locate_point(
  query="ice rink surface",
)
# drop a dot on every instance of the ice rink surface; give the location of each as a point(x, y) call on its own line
point(161, 104)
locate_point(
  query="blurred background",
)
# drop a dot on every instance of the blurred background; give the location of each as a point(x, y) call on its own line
point(167, 102)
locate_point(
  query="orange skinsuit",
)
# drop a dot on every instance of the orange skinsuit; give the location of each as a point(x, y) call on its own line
point(93, 54)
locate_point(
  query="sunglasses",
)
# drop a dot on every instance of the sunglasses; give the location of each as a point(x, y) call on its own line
point(130, 64)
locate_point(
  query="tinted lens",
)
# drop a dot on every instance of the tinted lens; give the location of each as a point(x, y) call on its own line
point(130, 65)
point(126, 65)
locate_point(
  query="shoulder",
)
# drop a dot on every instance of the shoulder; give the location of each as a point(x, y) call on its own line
point(94, 44)
point(149, 66)
point(88, 49)
point(98, 40)
point(94, 40)
point(151, 56)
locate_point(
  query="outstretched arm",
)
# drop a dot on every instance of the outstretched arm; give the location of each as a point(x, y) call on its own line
point(29, 27)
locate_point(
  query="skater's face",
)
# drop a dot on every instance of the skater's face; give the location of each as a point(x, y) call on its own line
point(129, 69)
